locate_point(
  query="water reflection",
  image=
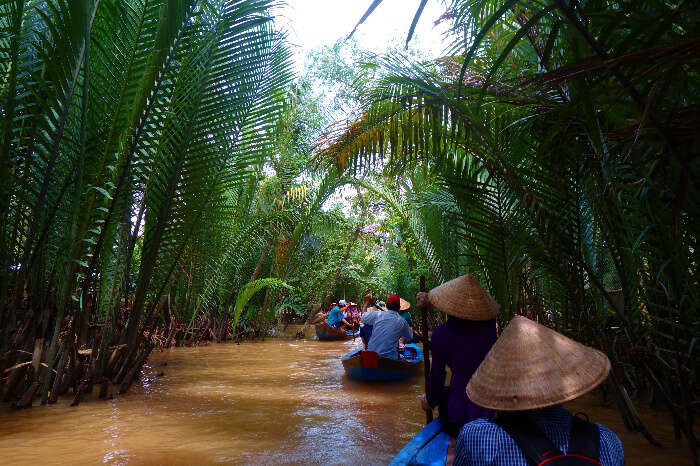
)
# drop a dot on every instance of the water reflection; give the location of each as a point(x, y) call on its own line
point(114, 453)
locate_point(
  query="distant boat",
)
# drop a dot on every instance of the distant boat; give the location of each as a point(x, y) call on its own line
point(328, 333)
point(429, 446)
point(368, 365)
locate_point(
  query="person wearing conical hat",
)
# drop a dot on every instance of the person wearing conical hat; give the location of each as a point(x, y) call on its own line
point(461, 344)
point(530, 371)
point(405, 313)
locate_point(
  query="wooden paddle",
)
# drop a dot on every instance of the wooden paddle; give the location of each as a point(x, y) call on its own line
point(426, 348)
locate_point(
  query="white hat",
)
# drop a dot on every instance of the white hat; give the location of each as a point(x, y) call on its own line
point(342, 302)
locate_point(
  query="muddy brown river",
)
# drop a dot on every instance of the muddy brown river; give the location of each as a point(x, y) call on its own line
point(279, 401)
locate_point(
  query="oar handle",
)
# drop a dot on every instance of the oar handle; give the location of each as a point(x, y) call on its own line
point(426, 349)
point(374, 303)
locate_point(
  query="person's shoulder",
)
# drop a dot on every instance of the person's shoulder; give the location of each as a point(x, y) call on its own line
point(480, 440)
point(610, 447)
point(482, 432)
point(402, 321)
point(481, 425)
point(609, 436)
point(369, 316)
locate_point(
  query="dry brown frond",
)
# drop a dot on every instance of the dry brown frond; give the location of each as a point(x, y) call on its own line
point(679, 53)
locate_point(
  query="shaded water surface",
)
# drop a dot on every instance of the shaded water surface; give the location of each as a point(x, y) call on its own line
point(271, 402)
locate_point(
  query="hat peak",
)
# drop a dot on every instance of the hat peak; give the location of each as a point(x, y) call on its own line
point(464, 297)
point(532, 366)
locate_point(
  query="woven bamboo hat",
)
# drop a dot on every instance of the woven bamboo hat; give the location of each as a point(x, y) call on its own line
point(464, 297)
point(404, 305)
point(531, 366)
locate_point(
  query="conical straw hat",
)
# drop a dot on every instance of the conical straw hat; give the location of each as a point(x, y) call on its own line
point(405, 305)
point(464, 297)
point(531, 366)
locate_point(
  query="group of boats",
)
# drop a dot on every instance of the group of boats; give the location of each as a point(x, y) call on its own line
point(430, 445)
point(367, 365)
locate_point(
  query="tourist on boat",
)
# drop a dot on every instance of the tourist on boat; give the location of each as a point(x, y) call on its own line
point(351, 320)
point(367, 307)
point(527, 375)
point(387, 328)
point(335, 316)
point(366, 329)
point(405, 314)
point(461, 344)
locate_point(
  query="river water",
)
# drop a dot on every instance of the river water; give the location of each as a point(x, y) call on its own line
point(279, 401)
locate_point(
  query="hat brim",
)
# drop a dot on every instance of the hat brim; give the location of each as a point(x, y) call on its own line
point(531, 367)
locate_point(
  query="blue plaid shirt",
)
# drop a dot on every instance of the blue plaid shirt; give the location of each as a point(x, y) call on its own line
point(483, 443)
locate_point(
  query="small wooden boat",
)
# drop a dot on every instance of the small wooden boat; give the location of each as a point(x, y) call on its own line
point(328, 333)
point(429, 446)
point(368, 365)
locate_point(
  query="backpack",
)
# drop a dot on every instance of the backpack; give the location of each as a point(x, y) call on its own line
point(584, 442)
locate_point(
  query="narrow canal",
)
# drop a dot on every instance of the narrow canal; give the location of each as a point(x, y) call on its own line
point(279, 401)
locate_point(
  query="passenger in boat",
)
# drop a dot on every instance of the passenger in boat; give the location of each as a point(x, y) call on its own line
point(366, 329)
point(404, 307)
point(405, 313)
point(388, 327)
point(527, 375)
point(335, 316)
point(351, 321)
point(461, 344)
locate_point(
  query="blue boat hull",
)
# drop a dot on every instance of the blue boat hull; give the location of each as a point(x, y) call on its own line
point(368, 366)
point(428, 447)
point(377, 375)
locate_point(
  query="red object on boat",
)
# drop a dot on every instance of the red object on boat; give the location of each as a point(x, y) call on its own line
point(369, 359)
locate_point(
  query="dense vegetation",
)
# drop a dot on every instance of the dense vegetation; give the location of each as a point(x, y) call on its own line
point(156, 176)
point(560, 146)
point(164, 180)
point(131, 136)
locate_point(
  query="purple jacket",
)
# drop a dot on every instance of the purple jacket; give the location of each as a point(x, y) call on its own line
point(460, 345)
